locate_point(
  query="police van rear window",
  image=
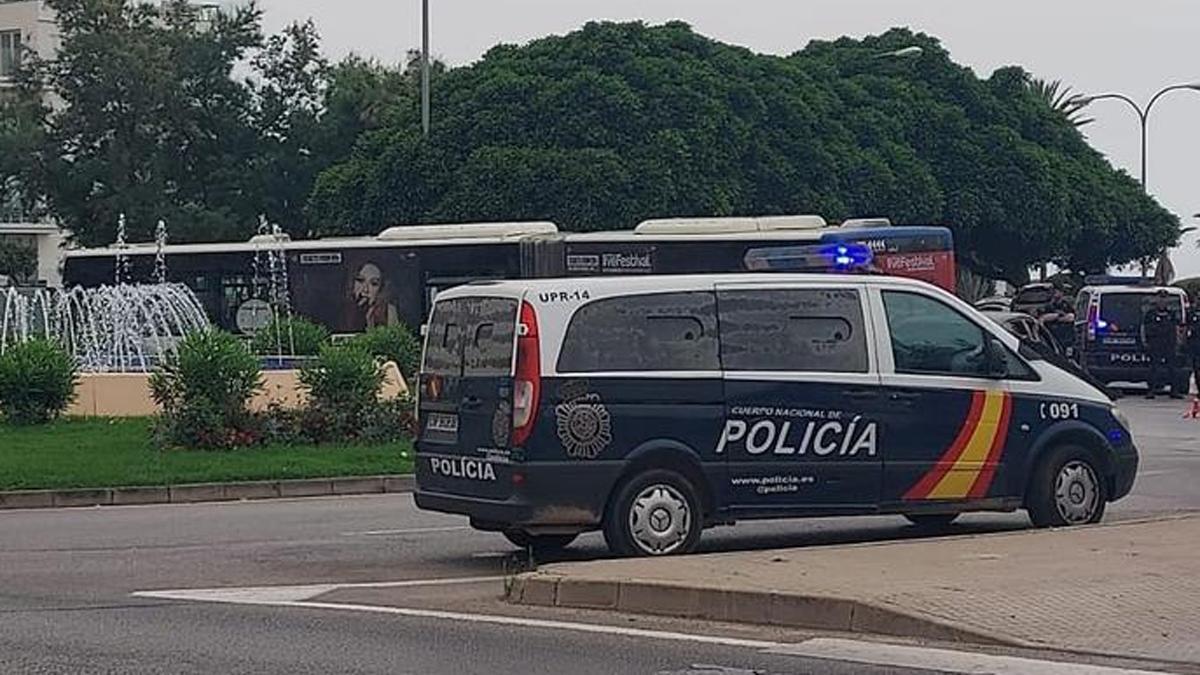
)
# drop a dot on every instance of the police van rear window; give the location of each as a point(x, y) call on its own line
point(471, 337)
point(1123, 312)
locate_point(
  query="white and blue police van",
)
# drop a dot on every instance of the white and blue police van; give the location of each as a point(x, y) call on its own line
point(653, 407)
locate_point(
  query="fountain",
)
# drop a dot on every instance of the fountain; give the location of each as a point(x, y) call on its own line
point(120, 328)
point(160, 254)
point(120, 333)
point(123, 328)
point(121, 273)
point(274, 289)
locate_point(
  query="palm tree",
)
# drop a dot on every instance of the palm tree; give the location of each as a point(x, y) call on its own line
point(1060, 98)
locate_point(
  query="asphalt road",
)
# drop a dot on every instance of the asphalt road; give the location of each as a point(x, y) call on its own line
point(67, 579)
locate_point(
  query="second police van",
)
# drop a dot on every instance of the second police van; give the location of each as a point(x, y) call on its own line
point(652, 408)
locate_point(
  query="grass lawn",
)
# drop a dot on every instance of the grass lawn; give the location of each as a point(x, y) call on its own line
point(79, 453)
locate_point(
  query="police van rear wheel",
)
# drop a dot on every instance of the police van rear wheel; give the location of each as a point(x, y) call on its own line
point(539, 542)
point(1068, 488)
point(654, 514)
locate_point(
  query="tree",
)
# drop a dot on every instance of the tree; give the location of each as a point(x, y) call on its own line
point(1060, 99)
point(155, 125)
point(616, 123)
point(152, 123)
point(21, 139)
point(290, 89)
point(17, 262)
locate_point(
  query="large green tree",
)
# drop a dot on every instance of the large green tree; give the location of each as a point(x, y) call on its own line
point(155, 122)
point(620, 122)
point(22, 137)
point(151, 124)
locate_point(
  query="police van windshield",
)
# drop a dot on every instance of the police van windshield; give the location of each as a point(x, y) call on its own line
point(471, 337)
point(1122, 312)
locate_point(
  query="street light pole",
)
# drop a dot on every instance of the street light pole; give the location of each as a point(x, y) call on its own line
point(1164, 260)
point(1142, 113)
point(425, 67)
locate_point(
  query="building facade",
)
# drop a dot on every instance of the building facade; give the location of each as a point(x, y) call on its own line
point(25, 24)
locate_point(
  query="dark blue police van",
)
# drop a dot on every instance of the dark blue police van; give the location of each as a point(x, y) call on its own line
point(1108, 323)
point(653, 407)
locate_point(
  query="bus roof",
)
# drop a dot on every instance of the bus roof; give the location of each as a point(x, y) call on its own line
point(409, 235)
point(769, 228)
point(774, 228)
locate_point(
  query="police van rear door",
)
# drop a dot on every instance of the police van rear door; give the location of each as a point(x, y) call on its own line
point(802, 397)
point(1119, 331)
point(465, 411)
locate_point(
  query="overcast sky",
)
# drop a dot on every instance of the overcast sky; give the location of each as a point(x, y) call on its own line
point(1129, 46)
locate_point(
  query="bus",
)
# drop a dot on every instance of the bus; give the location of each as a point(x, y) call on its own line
point(355, 283)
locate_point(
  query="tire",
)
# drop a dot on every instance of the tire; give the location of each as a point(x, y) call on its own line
point(667, 497)
point(1067, 488)
point(931, 521)
point(547, 543)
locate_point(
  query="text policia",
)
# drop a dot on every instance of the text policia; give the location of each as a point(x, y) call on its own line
point(821, 438)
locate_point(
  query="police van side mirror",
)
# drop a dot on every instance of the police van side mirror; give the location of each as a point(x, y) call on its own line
point(997, 365)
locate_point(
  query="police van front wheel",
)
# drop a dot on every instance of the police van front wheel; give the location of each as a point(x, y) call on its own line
point(1067, 488)
point(654, 513)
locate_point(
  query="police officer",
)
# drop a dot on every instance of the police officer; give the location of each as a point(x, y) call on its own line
point(1058, 316)
point(1193, 344)
point(1160, 333)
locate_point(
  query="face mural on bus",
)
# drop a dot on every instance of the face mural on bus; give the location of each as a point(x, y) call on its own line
point(358, 293)
point(370, 296)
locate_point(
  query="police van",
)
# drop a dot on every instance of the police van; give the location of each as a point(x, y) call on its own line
point(654, 407)
point(1108, 323)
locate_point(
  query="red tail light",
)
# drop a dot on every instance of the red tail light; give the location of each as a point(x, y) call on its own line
point(527, 387)
point(1093, 318)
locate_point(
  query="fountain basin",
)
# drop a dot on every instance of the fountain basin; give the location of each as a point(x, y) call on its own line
point(128, 394)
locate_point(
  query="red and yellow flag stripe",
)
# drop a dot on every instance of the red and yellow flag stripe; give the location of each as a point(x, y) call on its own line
point(966, 469)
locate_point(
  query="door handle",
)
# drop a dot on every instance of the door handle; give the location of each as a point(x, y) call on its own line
point(904, 396)
point(471, 402)
point(861, 394)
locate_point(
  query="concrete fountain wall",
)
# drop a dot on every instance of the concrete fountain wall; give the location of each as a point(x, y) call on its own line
point(128, 394)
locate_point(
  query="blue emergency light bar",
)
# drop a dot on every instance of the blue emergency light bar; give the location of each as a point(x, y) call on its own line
point(838, 257)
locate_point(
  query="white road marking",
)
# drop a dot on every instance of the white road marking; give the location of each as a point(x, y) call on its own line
point(523, 622)
point(901, 656)
point(284, 595)
point(833, 649)
point(413, 530)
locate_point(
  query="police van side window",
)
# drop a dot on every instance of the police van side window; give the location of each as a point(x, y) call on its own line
point(656, 332)
point(931, 338)
point(796, 330)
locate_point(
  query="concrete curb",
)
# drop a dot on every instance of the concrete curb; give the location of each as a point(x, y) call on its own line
point(841, 615)
point(205, 492)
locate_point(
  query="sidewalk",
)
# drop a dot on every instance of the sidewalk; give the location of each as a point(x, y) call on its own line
point(205, 492)
point(1130, 589)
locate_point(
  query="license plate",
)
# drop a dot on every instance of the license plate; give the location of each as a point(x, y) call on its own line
point(443, 422)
